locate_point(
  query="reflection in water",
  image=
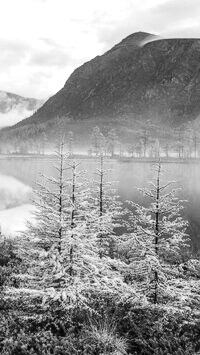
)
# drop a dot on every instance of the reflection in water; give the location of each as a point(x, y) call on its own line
point(14, 220)
point(12, 192)
point(130, 176)
point(14, 207)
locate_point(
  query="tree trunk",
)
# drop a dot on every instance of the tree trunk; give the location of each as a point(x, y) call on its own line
point(72, 216)
point(101, 205)
point(157, 232)
point(60, 231)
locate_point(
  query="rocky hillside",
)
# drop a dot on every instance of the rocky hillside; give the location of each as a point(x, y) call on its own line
point(14, 108)
point(142, 77)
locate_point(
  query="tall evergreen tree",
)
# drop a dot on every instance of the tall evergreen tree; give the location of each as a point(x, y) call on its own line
point(52, 204)
point(62, 244)
point(107, 213)
point(159, 237)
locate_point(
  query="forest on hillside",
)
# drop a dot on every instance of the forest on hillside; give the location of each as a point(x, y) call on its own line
point(133, 139)
point(93, 276)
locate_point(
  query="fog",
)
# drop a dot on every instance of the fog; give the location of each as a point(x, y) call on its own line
point(13, 116)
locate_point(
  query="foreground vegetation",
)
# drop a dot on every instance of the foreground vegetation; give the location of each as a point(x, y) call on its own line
point(90, 276)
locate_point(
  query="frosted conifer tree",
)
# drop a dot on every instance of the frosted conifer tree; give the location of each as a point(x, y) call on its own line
point(53, 205)
point(159, 238)
point(63, 249)
point(106, 211)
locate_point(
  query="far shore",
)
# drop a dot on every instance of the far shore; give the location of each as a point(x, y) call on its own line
point(122, 159)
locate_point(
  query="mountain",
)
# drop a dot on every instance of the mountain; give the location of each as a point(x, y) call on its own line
point(143, 77)
point(14, 108)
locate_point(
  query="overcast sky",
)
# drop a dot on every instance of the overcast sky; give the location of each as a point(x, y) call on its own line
point(43, 41)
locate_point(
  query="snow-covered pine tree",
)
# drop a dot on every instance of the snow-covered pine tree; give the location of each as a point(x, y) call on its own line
point(47, 230)
point(62, 247)
point(107, 213)
point(158, 238)
point(55, 238)
point(52, 204)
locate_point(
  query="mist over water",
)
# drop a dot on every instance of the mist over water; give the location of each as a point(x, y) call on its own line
point(130, 175)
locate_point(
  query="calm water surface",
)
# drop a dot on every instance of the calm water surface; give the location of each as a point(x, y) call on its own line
point(18, 176)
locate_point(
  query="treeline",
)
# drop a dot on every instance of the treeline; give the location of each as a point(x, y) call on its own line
point(127, 139)
point(91, 276)
point(149, 141)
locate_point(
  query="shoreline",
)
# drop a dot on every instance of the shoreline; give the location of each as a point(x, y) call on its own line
point(164, 160)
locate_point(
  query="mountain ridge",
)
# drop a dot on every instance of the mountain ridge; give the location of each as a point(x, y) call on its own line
point(140, 78)
point(15, 107)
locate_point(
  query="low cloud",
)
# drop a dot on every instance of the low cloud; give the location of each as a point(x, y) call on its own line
point(50, 57)
point(35, 70)
point(12, 117)
point(13, 52)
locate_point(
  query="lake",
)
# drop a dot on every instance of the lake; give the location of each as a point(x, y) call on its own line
point(18, 176)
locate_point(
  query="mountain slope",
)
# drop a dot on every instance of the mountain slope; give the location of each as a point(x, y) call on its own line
point(137, 79)
point(14, 108)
